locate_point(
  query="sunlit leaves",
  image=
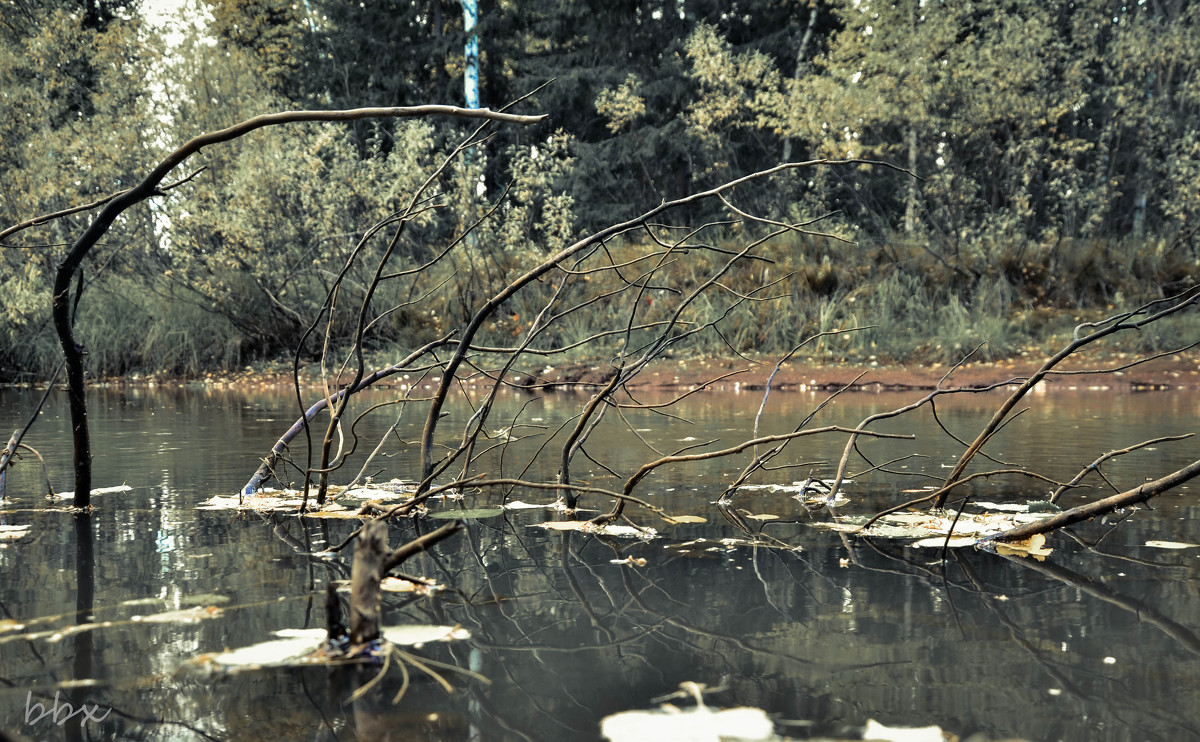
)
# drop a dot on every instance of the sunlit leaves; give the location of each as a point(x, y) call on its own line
point(623, 104)
point(69, 86)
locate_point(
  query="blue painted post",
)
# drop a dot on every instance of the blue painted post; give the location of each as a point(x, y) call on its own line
point(471, 75)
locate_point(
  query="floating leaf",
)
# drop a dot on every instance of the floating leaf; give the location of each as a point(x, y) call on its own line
point(609, 529)
point(699, 547)
point(469, 513)
point(157, 602)
point(877, 732)
point(1007, 507)
point(334, 512)
point(1034, 546)
point(518, 505)
point(1034, 506)
point(351, 499)
point(699, 724)
point(1170, 545)
point(394, 490)
point(204, 599)
point(12, 533)
point(186, 615)
point(290, 500)
point(399, 585)
point(366, 493)
point(836, 502)
point(819, 486)
point(295, 646)
point(630, 561)
point(99, 491)
point(8, 624)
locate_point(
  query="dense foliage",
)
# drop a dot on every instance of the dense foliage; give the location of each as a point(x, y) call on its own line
point(1057, 144)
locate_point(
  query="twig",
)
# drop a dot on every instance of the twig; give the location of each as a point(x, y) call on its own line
point(1125, 499)
point(1095, 465)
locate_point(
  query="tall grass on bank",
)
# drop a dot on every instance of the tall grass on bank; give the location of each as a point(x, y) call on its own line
point(917, 304)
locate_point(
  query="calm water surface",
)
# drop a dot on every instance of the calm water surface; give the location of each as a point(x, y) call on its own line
point(1098, 642)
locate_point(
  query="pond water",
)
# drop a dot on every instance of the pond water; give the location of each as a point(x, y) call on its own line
point(1097, 642)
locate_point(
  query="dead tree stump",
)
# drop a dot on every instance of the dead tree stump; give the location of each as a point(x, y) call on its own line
point(370, 550)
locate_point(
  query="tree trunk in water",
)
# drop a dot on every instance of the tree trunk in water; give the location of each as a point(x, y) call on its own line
point(369, 552)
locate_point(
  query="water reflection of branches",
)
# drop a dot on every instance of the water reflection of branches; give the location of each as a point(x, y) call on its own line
point(1144, 612)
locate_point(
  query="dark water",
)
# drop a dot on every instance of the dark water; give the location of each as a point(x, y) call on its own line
point(1096, 643)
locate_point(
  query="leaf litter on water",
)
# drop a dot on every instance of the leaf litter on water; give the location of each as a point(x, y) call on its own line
point(467, 514)
point(608, 529)
point(98, 491)
point(929, 529)
point(810, 492)
point(401, 585)
point(12, 533)
point(1034, 546)
point(55, 635)
point(342, 502)
point(700, 723)
point(684, 519)
point(297, 646)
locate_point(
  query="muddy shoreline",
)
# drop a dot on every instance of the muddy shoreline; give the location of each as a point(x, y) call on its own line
point(1177, 371)
point(1180, 371)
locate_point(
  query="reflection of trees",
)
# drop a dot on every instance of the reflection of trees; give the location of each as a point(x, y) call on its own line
point(984, 590)
point(565, 634)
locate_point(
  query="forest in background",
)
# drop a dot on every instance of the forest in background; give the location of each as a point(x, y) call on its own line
point(1057, 146)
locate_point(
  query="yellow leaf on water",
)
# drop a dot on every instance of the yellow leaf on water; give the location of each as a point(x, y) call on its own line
point(1034, 546)
point(8, 624)
point(398, 585)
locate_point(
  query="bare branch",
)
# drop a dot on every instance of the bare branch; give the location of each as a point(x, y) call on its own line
point(1089, 510)
point(1095, 465)
point(1114, 324)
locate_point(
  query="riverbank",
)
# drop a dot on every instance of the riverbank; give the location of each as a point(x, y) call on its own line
point(1174, 371)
